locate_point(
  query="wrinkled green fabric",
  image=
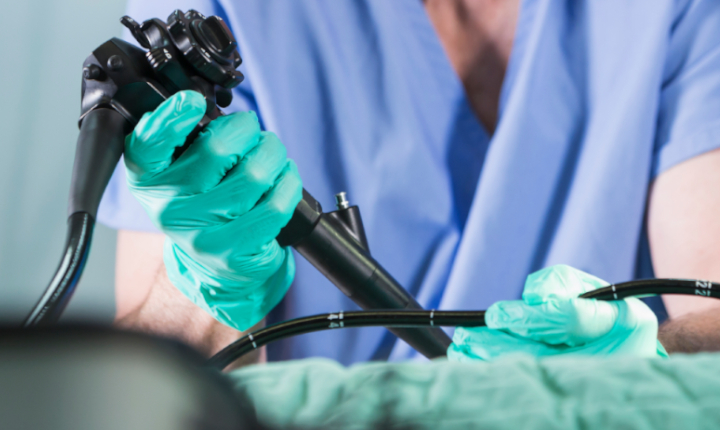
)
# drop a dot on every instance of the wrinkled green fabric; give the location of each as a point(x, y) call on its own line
point(221, 205)
point(519, 392)
point(551, 320)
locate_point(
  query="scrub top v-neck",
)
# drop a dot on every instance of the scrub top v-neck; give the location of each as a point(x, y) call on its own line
point(598, 98)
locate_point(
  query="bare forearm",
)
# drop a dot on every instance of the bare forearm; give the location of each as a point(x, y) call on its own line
point(683, 230)
point(166, 312)
point(691, 333)
point(148, 302)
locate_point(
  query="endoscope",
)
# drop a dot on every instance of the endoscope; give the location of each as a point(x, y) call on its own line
point(121, 82)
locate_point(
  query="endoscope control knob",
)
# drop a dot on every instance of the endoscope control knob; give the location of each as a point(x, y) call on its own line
point(208, 45)
point(217, 35)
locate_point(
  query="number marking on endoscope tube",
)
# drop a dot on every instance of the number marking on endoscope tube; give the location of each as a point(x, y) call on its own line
point(338, 317)
point(705, 287)
point(250, 336)
point(614, 293)
point(432, 315)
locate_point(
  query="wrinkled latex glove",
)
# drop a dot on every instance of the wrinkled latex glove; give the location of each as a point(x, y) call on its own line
point(221, 204)
point(551, 320)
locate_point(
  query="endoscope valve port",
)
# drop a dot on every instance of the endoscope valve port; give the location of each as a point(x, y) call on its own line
point(350, 217)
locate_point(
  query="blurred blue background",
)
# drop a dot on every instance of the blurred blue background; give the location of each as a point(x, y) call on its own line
point(44, 45)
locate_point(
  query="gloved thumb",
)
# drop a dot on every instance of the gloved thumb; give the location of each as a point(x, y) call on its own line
point(150, 147)
point(558, 282)
point(569, 322)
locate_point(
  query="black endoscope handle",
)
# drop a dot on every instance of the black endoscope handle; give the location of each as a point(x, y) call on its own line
point(323, 241)
point(100, 144)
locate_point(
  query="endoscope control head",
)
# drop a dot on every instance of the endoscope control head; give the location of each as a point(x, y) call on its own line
point(206, 44)
point(188, 52)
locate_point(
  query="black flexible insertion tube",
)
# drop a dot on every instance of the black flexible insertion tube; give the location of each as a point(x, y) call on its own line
point(415, 318)
point(653, 287)
point(384, 318)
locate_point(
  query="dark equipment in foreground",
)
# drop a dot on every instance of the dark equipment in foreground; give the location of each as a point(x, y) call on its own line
point(121, 82)
point(82, 378)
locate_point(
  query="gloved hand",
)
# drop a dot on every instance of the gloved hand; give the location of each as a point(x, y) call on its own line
point(551, 320)
point(221, 205)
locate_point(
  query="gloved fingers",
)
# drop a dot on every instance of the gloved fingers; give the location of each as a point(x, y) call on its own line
point(592, 319)
point(254, 176)
point(250, 232)
point(557, 322)
point(238, 192)
point(559, 281)
point(216, 151)
point(272, 213)
point(239, 281)
point(233, 268)
point(527, 321)
point(552, 320)
point(149, 148)
point(636, 317)
point(634, 333)
point(238, 296)
point(483, 343)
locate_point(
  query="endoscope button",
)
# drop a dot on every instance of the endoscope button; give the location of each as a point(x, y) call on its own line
point(93, 72)
point(223, 97)
point(115, 63)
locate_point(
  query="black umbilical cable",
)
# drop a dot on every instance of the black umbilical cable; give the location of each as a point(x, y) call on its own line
point(99, 146)
point(415, 318)
point(62, 286)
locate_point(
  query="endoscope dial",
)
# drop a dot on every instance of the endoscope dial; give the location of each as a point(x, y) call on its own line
point(208, 45)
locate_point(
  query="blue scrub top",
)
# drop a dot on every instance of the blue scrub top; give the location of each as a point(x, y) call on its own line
point(599, 97)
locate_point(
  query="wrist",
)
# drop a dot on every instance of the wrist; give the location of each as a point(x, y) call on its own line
point(167, 313)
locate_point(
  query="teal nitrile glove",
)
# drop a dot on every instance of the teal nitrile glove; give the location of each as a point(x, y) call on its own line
point(551, 320)
point(221, 205)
